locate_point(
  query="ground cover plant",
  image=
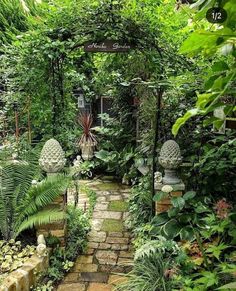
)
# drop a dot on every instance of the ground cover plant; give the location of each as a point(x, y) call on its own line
point(13, 256)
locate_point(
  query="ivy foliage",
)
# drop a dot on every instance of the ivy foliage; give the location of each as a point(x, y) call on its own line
point(216, 42)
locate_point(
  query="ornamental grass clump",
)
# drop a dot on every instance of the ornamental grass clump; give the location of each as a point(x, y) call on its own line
point(87, 141)
point(85, 121)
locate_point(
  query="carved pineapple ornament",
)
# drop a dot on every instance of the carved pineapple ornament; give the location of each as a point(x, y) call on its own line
point(170, 159)
point(52, 157)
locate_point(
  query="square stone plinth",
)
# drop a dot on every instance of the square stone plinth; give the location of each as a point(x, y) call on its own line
point(176, 187)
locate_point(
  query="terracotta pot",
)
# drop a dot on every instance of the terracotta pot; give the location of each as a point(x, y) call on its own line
point(165, 204)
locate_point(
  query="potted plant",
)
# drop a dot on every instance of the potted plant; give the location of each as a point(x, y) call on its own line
point(87, 142)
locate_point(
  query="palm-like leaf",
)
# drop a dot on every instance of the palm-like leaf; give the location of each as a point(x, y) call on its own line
point(21, 203)
point(42, 194)
point(41, 217)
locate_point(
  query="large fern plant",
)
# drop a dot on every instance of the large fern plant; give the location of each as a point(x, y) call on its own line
point(23, 205)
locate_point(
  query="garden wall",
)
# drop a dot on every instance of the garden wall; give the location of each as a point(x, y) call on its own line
point(26, 276)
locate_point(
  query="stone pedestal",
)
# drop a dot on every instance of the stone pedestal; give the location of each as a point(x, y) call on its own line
point(52, 161)
point(57, 228)
point(165, 204)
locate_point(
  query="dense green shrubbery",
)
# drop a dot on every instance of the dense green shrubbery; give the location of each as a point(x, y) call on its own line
point(78, 226)
point(23, 199)
point(216, 168)
point(204, 230)
point(140, 203)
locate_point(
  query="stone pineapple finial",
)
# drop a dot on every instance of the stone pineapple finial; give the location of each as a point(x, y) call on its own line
point(170, 159)
point(52, 157)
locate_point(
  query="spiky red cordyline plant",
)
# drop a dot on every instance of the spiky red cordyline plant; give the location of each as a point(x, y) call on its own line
point(85, 120)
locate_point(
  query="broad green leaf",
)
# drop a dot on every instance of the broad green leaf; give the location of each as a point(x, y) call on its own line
point(228, 286)
point(187, 233)
point(198, 41)
point(204, 99)
point(102, 155)
point(189, 195)
point(172, 228)
point(159, 196)
point(182, 120)
point(178, 202)
point(160, 219)
point(173, 212)
point(220, 66)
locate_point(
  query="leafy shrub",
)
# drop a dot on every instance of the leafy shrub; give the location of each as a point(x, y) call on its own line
point(22, 203)
point(217, 159)
point(78, 227)
point(140, 203)
point(156, 265)
point(119, 163)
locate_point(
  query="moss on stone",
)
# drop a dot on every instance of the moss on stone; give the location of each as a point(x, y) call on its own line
point(112, 225)
point(108, 186)
point(118, 206)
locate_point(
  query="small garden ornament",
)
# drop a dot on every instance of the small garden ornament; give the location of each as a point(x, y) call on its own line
point(41, 248)
point(170, 159)
point(52, 157)
point(158, 178)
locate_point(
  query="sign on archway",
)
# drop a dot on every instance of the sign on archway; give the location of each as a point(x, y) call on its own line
point(108, 46)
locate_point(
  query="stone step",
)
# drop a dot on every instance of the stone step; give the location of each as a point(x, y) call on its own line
point(99, 287)
point(93, 277)
point(72, 287)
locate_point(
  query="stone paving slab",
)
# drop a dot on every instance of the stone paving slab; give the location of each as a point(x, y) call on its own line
point(109, 251)
point(116, 279)
point(72, 287)
point(85, 268)
point(71, 277)
point(99, 287)
point(107, 214)
point(106, 257)
point(94, 277)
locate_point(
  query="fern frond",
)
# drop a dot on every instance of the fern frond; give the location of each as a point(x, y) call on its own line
point(159, 245)
point(24, 173)
point(42, 195)
point(6, 194)
point(147, 249)
point(41, 217)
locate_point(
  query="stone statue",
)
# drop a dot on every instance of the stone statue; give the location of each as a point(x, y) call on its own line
point(170, 159)
point(52, 157)
point(41, 240)
point(41, 248)
point(158, 177)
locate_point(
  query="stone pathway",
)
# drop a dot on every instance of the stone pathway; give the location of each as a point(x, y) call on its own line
point(109, 243)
